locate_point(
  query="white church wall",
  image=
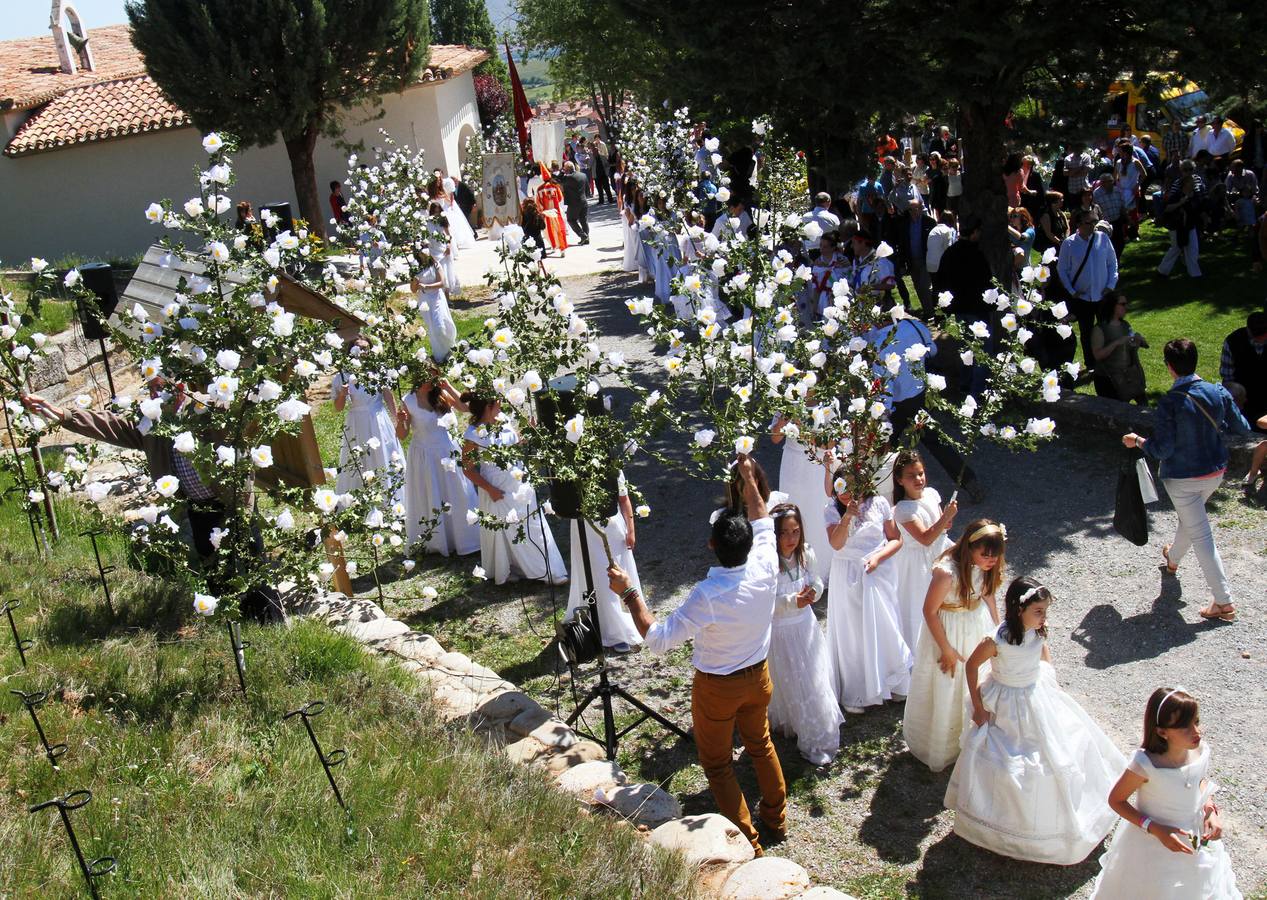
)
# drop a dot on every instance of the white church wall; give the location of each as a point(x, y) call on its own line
point(89, 200)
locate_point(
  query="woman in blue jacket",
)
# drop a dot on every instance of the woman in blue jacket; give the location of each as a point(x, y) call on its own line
point(1188, 442)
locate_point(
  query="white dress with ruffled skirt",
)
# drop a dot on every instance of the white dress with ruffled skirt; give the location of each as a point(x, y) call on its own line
point(1137, 865)
point(932, 722)
point(870, 661)
point(803, 702)
point(803, 480)
point(430, 484)
point(500, 555)
point(1033, 783)
point(366, 424)
point(614, 620)
point(915, 561)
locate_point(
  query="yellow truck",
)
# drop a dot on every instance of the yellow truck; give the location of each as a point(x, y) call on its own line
point(1134, 111)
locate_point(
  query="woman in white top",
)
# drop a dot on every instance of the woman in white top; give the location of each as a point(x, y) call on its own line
point(440, 243)
point(803, 701)
point(368, 424)
point(505, 497)
point(434, 488)
point(617, 626)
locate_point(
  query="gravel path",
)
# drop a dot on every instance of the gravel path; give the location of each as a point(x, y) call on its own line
point(874, 822)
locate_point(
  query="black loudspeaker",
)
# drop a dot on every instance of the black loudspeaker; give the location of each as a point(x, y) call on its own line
point(285, 222)
point(98, 278)
point(553, 411)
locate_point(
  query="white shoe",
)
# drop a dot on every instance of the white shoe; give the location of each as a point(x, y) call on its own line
point(854, 710)
point(897, 698)
point(817, 757)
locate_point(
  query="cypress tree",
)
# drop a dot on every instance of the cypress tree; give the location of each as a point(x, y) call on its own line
point(260, 68)
point(467, 22)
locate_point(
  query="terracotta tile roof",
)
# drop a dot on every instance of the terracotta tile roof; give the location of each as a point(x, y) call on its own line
point(30, 73)
point(118, 98)
point(97, 112)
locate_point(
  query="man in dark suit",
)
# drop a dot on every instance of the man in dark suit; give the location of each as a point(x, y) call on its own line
point(575, 186)
point(912, 249)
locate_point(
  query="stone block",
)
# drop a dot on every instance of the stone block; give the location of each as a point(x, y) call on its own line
point(502, 708)
point(525, 751)
point(557, 760)
point(767, 878)
point(529, 720)
point(554, 734)
point(374, 630)
point(641, 804)
point(588, 778)
point(48, 369)
point(421, 648)
point(703, 840)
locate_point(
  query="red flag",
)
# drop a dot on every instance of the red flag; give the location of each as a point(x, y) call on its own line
point(523, 112)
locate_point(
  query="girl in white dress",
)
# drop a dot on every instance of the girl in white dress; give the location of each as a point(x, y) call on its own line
point(870, 661)
point(433, 484)
point(1156, 851)
point(614, 620)
point(442, 331)
point(504, 497)
point(801, 479)
point(459, 225)
point(1033, 779)
point(803, 702)
point(917, 511)
point(959, 610)
point(630, 261)
point(440, 243)
point(369, 424)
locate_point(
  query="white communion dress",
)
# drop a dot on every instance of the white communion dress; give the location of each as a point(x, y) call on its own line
point(803, 702)
point(367, 424)
point(870, 661)
point(501, 556)
point(1033, 783)
point(443, 254)
point(632, 244)
point(442, 331)
point(1137, 865)
point(459, 225)
point(915, 561)
point(431, 482)
point(803, 480)
point(932, 723)
point(614, 620)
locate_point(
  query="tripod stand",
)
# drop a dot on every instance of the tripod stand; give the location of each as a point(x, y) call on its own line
point(606, 688)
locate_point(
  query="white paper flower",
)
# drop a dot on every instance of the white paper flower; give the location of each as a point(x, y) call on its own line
point(262, 456)
point(944, 299)
point(877, 409)
point(478, 572)
point(194, 208)
point(642, 511)
point(292, 410)
point(428, 593)
point(326, 500)
point(227, 456)
point(744, 444)
point(1064, 331)
point(979, 329)
point(704, 437)
point(936, 382)
point(151, 408)
point(219, 251)
point(967, 357)
point(1040, 427)
point(575, 428)
point(83, 401)
point(72, 278)
point(154, 212)
point(212, 142)
point(96, 491)
point(228, 359)
point(285, 520)
point(205, 604)
point(167, 486)
point(969, 406)
point(1060, 310)
point(1073, 368)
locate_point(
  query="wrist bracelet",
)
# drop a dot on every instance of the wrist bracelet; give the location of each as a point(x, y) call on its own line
point(625, 594)
point(1144, 823)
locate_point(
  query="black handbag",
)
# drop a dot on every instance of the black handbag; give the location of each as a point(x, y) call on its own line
point(1130, 520)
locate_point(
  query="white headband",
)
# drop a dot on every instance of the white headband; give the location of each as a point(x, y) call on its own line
point(1031, 592)
point(1178, 690)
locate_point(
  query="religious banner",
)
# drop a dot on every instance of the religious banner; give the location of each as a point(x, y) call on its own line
point(501, 196)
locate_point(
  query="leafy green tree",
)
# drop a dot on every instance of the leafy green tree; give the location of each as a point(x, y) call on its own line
point(467, 22)
point(594, 53)
point(263, 67)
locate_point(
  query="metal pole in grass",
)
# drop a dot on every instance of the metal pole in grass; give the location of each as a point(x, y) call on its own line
point(239, 653)
point(102, 570)
point(32, 702)
point(22, 645)
point(328, 761)
point(91, 869)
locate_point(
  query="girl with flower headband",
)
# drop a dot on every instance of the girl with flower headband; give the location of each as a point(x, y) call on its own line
point(918, 513)
point(1034, 774)
point(870, 661)
point(1169, 842)
point(959, 609)
point(803, 701)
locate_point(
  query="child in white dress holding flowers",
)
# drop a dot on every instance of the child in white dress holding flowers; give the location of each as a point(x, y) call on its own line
point(506, 498)
point(1170, 840)
point(1033, 779)
point(917, 511)
point(369, 423)
point(870, 661)
point(617, 625)
point(803, 701)
point(959, 610)
point(434, 488)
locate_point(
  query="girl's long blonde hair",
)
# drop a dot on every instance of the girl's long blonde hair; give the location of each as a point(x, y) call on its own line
point(982, 533)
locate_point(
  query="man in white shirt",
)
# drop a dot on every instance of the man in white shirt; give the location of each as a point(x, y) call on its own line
point(1087, 268)
point(1220, 141)
point(822, 216)
point(728, 616)
point(734, 223)
point(941, 237)
point(1077, 168)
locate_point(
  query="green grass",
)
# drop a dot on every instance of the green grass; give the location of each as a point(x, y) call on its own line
point(199, 792)
point(1205, 310)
